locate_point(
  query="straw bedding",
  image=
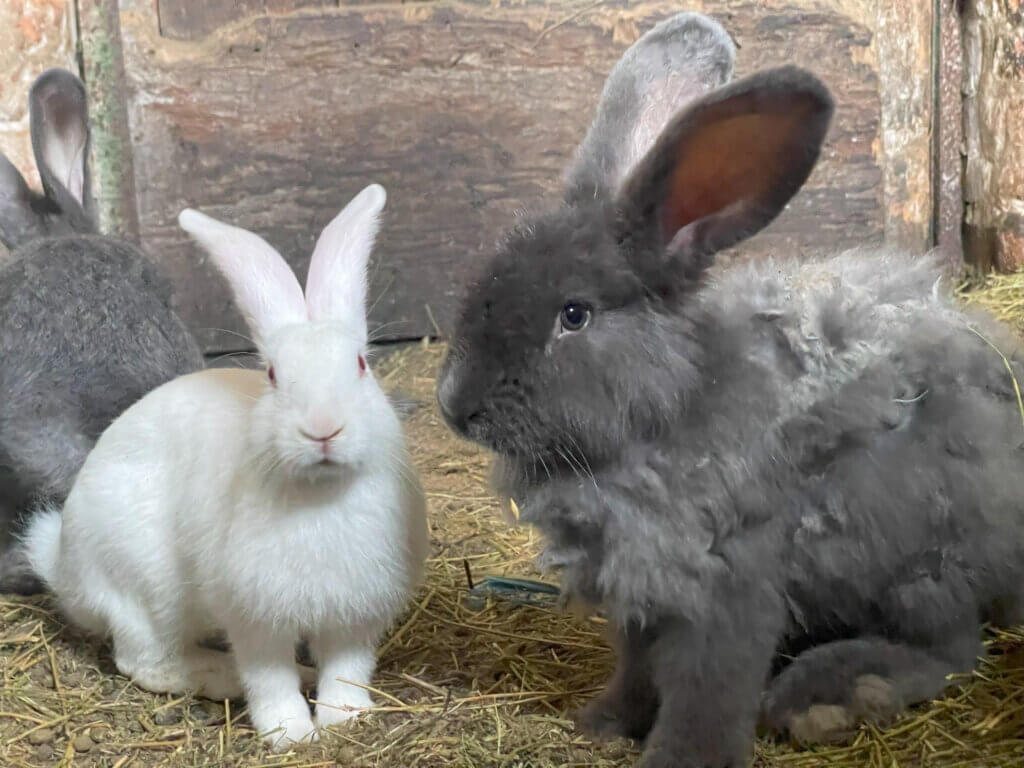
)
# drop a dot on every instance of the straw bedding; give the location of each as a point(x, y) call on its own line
point(460, 683)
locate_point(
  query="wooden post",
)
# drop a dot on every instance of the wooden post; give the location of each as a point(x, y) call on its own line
point(905, 41)
point(111, 153)
point(948, 136)
point(994, 133)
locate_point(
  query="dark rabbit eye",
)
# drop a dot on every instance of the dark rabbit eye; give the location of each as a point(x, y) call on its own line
point(362, 365)
point(270, 375)
point(575, 316)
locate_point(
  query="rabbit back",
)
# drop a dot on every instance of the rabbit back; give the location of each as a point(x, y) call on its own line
point(86, 323)
point(853, 430)
point(898, 417)
point(86, 329)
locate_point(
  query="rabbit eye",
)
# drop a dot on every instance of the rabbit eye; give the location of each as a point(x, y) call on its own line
point(271, 376)
point(575, 316)
point(362, 365)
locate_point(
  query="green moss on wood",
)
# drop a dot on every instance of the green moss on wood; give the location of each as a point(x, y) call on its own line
point(110, 156)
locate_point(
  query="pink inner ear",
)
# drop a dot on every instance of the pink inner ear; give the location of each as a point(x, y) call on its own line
point(727, 162)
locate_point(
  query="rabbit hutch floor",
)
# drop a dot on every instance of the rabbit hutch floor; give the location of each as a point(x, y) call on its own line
point(462, 683)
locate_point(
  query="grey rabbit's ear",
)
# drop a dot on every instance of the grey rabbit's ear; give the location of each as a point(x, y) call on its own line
point(60, 140)
point(59, 125)
point(724, 168)
point(17, 220)
point(674, 63)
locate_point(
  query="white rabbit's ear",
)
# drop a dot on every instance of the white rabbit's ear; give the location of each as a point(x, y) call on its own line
point(336, 284)
point(264, 286)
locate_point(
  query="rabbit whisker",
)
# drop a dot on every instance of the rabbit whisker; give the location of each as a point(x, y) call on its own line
point(242, 336)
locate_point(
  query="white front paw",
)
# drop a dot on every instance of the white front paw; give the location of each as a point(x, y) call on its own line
point(284, 727)
point(291, 733)
point(338, 712)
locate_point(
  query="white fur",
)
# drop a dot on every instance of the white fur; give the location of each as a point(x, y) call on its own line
point(203, 507)
point(42, 542)
point(264, 286)
point(337, 271)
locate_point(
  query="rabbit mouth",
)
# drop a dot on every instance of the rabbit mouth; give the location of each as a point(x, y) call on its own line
point(327, 461)
point(319, 464)
point(325, 469)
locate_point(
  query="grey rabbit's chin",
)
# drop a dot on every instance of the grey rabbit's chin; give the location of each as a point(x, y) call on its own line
point(507, 478)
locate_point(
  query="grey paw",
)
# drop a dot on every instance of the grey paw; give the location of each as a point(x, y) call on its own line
point(872, 699)
point(665, 757)
point(603, 719)
point(599, 723)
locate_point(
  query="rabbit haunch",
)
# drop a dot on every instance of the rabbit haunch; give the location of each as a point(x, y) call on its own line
point(269, 507)
point(86, 322)
point(794, 486)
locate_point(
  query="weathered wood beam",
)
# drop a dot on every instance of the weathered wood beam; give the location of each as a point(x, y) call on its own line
point(113, 178)
point(994, 134)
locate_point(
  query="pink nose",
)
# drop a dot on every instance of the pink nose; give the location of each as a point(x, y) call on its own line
point(325, 439)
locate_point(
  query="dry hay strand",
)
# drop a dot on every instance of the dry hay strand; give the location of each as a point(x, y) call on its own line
point(1000, 295)
point(459, 685)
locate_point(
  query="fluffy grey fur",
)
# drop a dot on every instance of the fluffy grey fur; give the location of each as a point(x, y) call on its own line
point(86, 324)
point(795, 487)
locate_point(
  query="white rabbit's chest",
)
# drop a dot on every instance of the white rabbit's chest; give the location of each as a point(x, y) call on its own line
point(314, 567)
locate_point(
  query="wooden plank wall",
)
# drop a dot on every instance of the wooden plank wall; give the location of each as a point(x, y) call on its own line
point(994, 133)
point(273, 113)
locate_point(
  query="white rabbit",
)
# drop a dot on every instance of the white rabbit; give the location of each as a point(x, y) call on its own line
point(270, 505)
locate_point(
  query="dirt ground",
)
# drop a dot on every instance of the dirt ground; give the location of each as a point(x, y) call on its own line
point(461, 684)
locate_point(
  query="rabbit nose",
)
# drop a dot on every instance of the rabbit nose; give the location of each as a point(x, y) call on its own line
point(460, 419)
point(453, 409)
point(459, 409)
point(325, 439)
point(446, 391)
point(446, 406)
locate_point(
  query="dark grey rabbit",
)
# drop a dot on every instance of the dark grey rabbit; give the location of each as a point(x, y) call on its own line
point(86, 324)
point(796, 488)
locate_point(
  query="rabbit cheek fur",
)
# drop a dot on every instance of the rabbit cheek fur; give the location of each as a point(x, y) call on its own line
point(818, 458)
point(270, 506)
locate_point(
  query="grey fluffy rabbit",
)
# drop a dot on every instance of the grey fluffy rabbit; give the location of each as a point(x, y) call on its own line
point(86, 325)
point(796, 488)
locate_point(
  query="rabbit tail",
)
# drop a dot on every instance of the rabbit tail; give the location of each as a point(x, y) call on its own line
point(40, 545)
